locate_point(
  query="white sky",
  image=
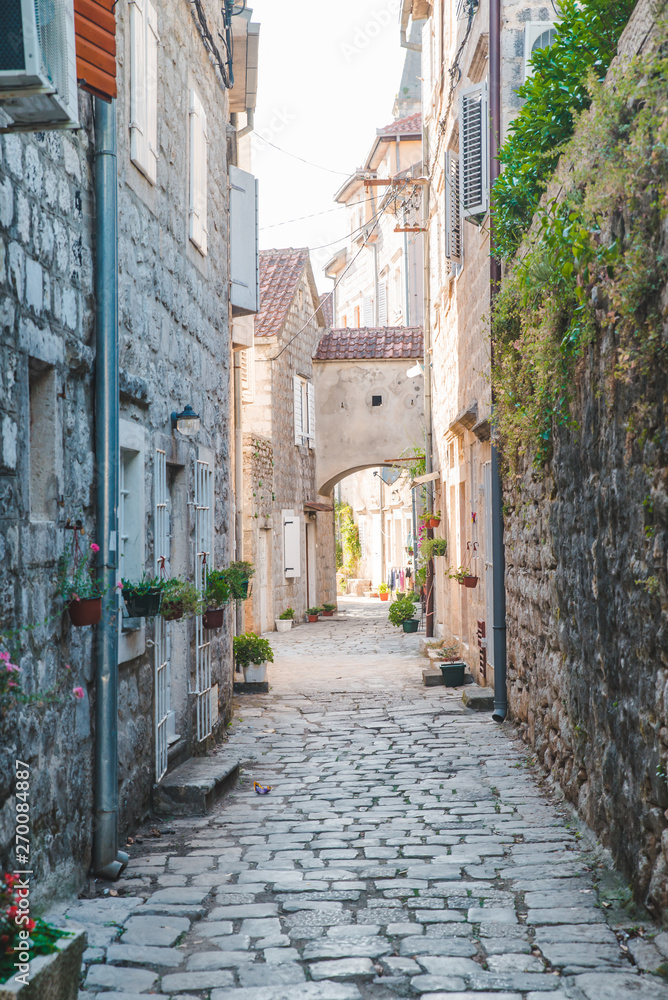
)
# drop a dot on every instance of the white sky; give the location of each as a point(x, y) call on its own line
point(329, 73)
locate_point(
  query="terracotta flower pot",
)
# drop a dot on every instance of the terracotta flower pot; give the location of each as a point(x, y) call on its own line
point(469, 581)
point(213, 618)
point(327, 614)
point(87, 611)
point(433, 522)
point(385, 596)
point(312, 618)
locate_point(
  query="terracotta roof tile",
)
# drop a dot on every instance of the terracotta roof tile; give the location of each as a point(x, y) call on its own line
point(411, 124)
point(280, 271)
point(327, 308)
point(350, 343)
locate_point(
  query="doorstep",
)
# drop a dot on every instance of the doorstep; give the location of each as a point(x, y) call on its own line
point(192, 788)
point(479, 699)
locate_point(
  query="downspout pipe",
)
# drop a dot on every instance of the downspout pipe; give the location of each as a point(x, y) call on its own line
point(238, 479)
point(429, 465)
point(250, 123)
point(498, 556)
point(108, 861)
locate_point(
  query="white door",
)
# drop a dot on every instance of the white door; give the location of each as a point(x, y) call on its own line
point(489, 577)
point(265, 624)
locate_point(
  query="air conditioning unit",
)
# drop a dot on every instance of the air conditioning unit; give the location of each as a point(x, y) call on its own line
point(38, 78)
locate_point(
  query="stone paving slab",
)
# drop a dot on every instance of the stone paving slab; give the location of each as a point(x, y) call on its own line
point(406, 849)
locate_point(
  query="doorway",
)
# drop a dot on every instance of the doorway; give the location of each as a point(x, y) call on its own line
point(311, 572)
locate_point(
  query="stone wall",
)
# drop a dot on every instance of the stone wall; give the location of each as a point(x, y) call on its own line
point(586, 543)
point(258, 517)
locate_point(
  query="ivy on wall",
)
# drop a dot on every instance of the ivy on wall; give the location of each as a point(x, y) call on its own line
point(351, 547)
point(560, 87)
point(594, 262)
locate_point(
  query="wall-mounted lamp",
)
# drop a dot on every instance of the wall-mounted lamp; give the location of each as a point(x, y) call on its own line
point(187, 422)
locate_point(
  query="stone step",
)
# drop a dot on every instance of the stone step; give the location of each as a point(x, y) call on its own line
point(257, 687)
point(192, 788)
point(480, 699)
point(432, 678)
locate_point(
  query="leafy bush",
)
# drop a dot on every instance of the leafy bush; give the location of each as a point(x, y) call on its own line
point(559, 88)
point(252, 648)
point(401, 611)
point(180, 598)
point(237, 575)
point(287, 615)
point(76, 579)
point(15, 926)
point(329, 607)
point(313, 611)
point(217, 590)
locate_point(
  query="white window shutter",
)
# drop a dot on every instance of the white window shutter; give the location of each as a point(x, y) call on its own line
point(151, 31)
point(248, 375)
point(297, 390)
point(291, 544)
point(138, 124)
point(310, 399)
point(198, 174)
point(453, 222)
point(473, 170)
point(367, 310)
point(382, 303)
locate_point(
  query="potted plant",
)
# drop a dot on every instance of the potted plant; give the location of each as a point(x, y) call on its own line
point(433, 547)
point(285, 620)
point(401, 614)
point(431, 519)
point(328, 610)
point(78, 587)
point(400, 594)
point(463, 576)
point(384, 592)
point(180, 598)
point(312, 614)
point(142, 597)
point(252, 653)
point(215, 597)
point(238, 576)
point(51, 967)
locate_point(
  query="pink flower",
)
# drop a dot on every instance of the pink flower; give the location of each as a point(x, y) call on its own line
point(67, 666)
point(12, 684)
point(94, 547)
point(4, 656)
point(13, 669)
point(78, 693)
point(119, 585)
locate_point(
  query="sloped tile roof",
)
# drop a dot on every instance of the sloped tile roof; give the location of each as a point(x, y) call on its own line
point(388, 342)
point(327, 308)
point(411, 124)
point(280, 271)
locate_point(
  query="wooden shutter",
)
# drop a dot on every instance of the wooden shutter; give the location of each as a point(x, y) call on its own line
point(310, 402)
point(138, 123)
point(95, 41)
point(382, 303)
point(453, 221)
point(291, 544)
point(367, 311)
point(151, 33)
point(198, 174)
point(247, 365)
point(473, 170)
point(297, 391)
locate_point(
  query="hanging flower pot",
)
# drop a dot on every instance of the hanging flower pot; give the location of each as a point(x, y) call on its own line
point(213, 618)
point(173, 613)
point(142, 603)
point(468, 581)
point(433, 522)
point(87, 611)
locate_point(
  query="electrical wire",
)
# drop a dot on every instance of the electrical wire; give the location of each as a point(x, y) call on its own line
point(301, 218)
point(336, 284)
point(294, 156)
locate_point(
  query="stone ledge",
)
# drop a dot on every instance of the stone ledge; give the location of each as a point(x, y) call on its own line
point(241, 687)
point(432, 678)
point(479, 699)
point(191, 789)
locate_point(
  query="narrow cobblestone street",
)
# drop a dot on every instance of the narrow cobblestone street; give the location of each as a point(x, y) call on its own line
point(406, 848)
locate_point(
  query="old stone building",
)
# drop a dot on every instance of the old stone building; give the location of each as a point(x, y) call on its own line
point(288, 530)
point(455, 101)
point(174, 509)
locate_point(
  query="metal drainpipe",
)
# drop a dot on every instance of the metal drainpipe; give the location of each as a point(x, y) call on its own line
point(108, 861)
point(238, 479)
point(429, 624)
point(498, 555)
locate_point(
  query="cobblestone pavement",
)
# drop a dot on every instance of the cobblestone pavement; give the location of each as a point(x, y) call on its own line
point(406, 849)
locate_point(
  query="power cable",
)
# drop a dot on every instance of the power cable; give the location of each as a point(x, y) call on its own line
point(313, 215)
point(294, 156)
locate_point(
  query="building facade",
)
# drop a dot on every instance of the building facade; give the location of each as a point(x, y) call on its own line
point(174, 508)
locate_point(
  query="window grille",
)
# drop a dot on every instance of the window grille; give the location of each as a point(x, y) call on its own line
point(203, 562)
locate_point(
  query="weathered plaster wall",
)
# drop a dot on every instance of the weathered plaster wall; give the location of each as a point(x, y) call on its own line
point(354, 434)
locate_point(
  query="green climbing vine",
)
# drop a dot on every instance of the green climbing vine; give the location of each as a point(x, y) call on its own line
point(350, 545)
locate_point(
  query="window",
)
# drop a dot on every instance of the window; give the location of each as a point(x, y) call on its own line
point(130, 516)
point(197, 230)
point(453, 222)
point(367, 310)
point(356, 313)
point(344, 320)
point(473, 170)
point(43, 477)
point(291, 543)
point(376, 400)
point(144, 87)
point(247, 364)
point(382, 303)
point(304, 405)
point(537, 35)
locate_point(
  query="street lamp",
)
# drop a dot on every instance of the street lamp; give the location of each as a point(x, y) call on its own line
point(186, 422)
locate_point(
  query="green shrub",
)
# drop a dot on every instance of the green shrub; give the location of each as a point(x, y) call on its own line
point(401, 611)
point(287, 615)
point(252, 648)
